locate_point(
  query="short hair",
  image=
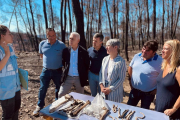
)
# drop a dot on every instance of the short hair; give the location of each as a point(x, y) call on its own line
point(174, 57)
point(76, 34)
point(114, 42)
point(99, 35)
point(152, 45)
point(49, 29)
point(3, 30)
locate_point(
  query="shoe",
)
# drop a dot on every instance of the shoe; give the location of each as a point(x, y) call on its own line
point(36, 111)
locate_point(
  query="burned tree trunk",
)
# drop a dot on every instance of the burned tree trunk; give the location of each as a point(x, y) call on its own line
point(19, 33)
point(63, 26)
point(45, 15)
point(70, 21)
point(36, 39)
point(127, 21)
point(99, 20)
point(154, 19)
point(52, 14)
point(147, 20)
point(114, 19)
point(109, 19)
point(174, 32)
point(79, 21)
point(162, 36)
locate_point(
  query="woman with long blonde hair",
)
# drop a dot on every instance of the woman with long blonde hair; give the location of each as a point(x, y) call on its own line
point(168, 81)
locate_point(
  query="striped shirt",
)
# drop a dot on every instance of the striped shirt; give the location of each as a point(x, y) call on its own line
point(116, 77)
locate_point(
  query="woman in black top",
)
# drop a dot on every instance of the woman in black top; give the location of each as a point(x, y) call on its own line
point(168, 81)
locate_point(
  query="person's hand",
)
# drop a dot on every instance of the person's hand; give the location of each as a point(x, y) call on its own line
point(103, 89)
point(107, 91)
point(6, 49)
point(169, 112)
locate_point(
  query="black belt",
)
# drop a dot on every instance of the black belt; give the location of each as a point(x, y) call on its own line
point(95, 73)
point(53, 69)
point(73, 76)
point(143, 92)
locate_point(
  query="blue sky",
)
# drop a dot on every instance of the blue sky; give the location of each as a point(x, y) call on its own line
point(6, 11)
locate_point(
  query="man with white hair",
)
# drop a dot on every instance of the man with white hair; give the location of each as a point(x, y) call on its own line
point(76, 66)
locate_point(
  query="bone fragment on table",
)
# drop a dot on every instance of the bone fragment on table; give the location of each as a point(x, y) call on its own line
point(111, 117)
point(140, 117)
point(116, 118)
point(130, 115)
point(119, 112)
point(123, 114)
point(104, 114)
point(77, 111)
point(76, 108)
point(114, 108)
point(57, 105)
point(71, 106)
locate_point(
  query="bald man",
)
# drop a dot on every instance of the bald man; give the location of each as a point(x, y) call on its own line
point(76, 65)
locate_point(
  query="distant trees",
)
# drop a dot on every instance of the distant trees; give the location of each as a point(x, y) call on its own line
point(132, 22)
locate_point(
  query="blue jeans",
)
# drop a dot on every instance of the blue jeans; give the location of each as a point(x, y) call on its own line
point(45, 79)
point(145, 97)
point(94, 83)
point(11, 107)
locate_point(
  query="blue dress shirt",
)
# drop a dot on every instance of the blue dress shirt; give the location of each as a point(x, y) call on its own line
point(73, 68)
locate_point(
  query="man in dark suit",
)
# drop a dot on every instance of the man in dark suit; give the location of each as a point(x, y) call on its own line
point(76, 65)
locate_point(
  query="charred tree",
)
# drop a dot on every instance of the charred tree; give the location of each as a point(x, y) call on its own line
point(70, 21)
point(147, 10)
point(45, 15)
point(19, 34)
point(154, 19)
point(109, 19)
point(99, 19)
point(114, 19)
point(63, 26)
point(36, 39)
point(174, 32)
point(79, 21)
point(127, 21)
point(162, 36)
point(51, 13)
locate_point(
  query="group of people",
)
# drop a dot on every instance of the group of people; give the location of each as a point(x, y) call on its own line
point(102, 68)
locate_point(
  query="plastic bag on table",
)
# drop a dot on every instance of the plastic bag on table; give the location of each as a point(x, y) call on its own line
point(96, 109)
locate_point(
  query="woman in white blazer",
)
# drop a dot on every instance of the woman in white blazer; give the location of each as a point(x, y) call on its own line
point(112, 73)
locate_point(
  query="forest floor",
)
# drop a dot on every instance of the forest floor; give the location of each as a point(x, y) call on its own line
point(31, 62)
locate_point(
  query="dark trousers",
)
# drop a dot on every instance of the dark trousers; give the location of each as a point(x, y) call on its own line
point(11, 107)
point(145, 97)
point(45, 79)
